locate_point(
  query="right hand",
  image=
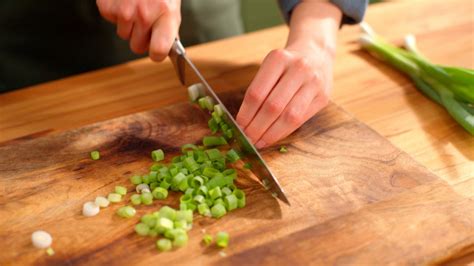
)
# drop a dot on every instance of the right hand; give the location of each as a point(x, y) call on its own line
point(149, 25)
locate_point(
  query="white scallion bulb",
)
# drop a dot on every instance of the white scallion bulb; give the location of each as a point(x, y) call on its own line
point(41, 239)
point(102, 201)
point(90, 209)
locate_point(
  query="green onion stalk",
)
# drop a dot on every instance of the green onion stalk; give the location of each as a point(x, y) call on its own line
point(451, 87)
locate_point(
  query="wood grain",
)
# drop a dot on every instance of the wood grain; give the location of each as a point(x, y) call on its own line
point(375, 94)
point(355, 197)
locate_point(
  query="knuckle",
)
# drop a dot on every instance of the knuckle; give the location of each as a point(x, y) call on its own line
point(164, 6)
point(293, 117)
point(273, 107)
point(302, 64)
point(279, 54)
point(125, 11)
point(143, 16)
point(254, 96)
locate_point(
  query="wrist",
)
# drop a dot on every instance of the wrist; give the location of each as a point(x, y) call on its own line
point(314, 26)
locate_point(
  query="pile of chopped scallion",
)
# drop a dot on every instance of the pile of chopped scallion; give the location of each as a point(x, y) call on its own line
point(201, 173)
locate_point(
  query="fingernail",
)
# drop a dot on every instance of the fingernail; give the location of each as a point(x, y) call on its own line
point(260, 144)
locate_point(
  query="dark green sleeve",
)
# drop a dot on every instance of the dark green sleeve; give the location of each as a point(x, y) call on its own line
point(54, 39)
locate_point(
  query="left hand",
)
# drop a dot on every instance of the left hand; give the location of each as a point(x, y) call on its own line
point(291, 86)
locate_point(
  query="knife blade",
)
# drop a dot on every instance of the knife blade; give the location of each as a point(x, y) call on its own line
point(188, 75)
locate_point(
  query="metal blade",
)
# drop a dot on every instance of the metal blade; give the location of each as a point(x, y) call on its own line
point(188, 75)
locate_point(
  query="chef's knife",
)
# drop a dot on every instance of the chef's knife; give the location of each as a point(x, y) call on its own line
point(188, 74)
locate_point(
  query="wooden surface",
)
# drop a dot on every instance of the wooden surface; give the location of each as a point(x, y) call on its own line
point(375, 94)
point(372, 92)
point(355, 198)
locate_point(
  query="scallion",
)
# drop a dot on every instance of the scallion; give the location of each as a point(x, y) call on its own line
point(157, 155)
point(222, 239)
point(95, 155)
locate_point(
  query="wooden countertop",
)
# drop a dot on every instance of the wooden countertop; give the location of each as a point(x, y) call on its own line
point(374, 93)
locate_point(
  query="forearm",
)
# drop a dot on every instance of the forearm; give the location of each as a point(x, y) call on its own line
point(314, 25)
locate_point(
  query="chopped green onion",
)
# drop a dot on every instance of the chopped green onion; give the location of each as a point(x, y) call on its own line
point(153, 185)
point(283, 149)
point(240, 195)
point(142, 229)
point(199, 198)
point(149, 219)
point(102, 202)
point(95, 155)
point(165, 223)
point(204, 210)
point(186, 198)
point(121, 190)
point(168, 212)
point(210, 141)
point(213, 154)
point(197, 181)
point(195, 91)
point(157, 155)
point(142, 188)
point(215, 193)
point(155, 167)
point(50, 251)
point(216, 117)
point(147, 198)
point(153, 232)
point(210, 172)
point(186, 215)
point(232, 155)
point(206, 102)
point(231, 202)
point(207, 239)
point(164, 244)
point(181, 224)
point(126, 212)
point(218, 109)
point(114, 197)
point(180, 240)
point(226, 191)
point(189, 146)
point(218, 210)
point(213, 125)
point(248, 166)
point(173, 233)
point(146, 179)
point(222, 239)
point(160, 193)
point(219, 201)
point(136, 179)
point(136, 199)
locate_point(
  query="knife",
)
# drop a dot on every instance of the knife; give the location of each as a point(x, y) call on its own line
point(188, 75)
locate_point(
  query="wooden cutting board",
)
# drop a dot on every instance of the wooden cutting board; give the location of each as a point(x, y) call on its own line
point(356, 199)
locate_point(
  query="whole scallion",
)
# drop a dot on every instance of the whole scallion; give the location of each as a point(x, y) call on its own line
point(451, 87)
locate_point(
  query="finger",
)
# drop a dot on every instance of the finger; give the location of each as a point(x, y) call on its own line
point(316, 105)
point(124, 29)
point(267, 76)
point(108, 9)
point(275, 103)
point(164, 31)
point(140, 38)
point(292, 117)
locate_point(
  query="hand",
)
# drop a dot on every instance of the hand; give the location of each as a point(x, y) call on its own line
point(290, 87)
point(150, 25)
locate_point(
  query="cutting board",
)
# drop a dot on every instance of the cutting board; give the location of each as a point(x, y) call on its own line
point(355, 198)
